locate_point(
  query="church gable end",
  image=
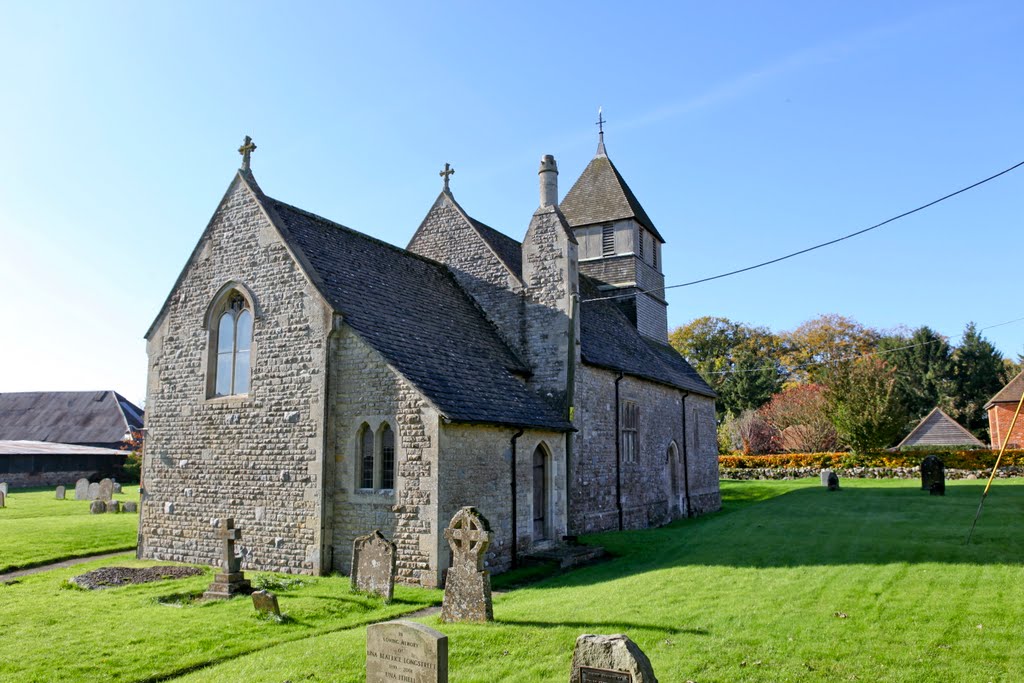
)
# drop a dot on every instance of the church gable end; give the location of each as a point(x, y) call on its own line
point(483, 261)
point(254, 455)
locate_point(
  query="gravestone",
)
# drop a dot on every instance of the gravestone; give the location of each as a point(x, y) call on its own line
point(117, 488)
point(97, 507)
point(129, 506)
point(60, 493)
point(3, 499)
point(610, 659)
point(94, 491)
point(231, 580)
point(4, 488)
point(112, 505)
point(467, 585)
point(824, 477)
point(106, 490)
point(405, 651)
point(265, 603)
point(833, 481)
point(933, 475)
point(373, 565)
point(82, 489)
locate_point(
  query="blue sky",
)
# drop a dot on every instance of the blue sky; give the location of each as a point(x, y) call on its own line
point(747, 130)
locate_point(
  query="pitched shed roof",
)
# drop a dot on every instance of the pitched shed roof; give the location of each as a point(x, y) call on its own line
point(938, 429)
point(609, 340)
point(47, 448)
point(412, 311)
point(600, 195)
point(1010, 393)
point(74, 417)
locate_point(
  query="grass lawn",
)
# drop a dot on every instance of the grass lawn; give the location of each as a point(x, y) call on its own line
point(36, 528)
point(789, 583)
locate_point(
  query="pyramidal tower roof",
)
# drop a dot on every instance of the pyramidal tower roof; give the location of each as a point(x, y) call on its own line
point(601, 195)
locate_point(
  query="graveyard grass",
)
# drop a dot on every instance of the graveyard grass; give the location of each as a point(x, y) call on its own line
point(788, 583)
point(37, 529)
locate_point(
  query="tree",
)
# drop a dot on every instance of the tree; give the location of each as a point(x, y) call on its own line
point(863, 404)
point(740, 362)
point(799, 416)
point(820, 344)
point(750, 433)
point(978, 373)
point(923, 369)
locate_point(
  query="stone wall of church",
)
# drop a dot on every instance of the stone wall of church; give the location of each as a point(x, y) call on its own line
point(365, 389)
point(476, 469)
point(647, 495)
point(447, 237)
point(702, 441)
point(256, 458)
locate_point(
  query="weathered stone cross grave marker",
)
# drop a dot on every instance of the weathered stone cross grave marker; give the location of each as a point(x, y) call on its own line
point(231, 581)
point(467, 587)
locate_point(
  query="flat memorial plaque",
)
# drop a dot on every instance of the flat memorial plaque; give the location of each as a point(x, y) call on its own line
point(592, 675)
point(406, 652)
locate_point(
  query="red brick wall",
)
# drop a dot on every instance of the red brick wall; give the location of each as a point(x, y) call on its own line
point(999, 418)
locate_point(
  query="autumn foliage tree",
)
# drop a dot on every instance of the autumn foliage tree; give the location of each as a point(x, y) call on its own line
point(740, 362)
point(799, 415)
point(820, 344)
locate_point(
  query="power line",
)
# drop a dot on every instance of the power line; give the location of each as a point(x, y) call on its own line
point(817, 246)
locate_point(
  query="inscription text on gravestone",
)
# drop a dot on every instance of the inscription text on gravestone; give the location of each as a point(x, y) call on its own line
point(591, 675)
point(407, 652)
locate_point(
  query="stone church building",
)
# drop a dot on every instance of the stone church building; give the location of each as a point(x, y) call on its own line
point(315, 383)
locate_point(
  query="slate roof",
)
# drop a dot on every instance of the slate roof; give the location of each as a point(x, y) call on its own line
point(600, 195)
point(1010, 393)
point(70, 417)
point(508, 250)
point(938, 429)
point(412, 311)
point(609, 340)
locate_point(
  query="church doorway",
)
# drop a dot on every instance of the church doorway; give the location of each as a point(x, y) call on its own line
point(540, 494)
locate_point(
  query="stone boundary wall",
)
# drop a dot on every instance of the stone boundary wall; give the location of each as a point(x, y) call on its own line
point(862, 473)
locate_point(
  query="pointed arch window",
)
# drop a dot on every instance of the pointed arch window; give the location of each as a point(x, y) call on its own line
point(387, 457)
point(375, 458)
point(365, 457)
point(233, 348)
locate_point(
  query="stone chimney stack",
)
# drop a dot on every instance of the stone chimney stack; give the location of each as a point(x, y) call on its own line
point(548, 181)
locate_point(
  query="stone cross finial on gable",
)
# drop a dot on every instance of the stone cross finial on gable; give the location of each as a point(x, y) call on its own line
point(448, 170)
point(247, 148)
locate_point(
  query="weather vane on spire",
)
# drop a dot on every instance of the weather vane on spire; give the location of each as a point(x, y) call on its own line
point(600, 130)
point(448, 170)
point(247, 148)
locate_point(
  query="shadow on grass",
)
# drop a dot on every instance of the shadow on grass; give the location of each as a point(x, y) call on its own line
point(782, 524)
point(610, 626)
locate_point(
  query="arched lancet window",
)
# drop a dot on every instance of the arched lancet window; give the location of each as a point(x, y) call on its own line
point(672, 456)
point(365, 457)
point(234, 345)
point(387, 457)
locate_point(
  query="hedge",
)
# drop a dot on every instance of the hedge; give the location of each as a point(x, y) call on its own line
point(978, 459)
